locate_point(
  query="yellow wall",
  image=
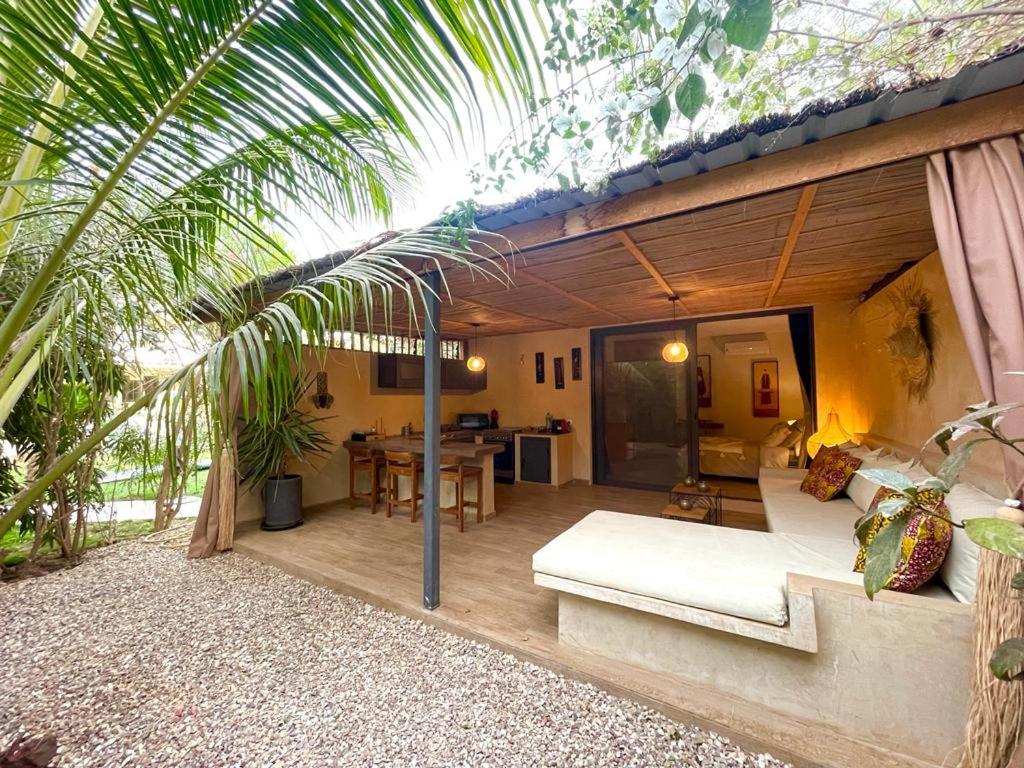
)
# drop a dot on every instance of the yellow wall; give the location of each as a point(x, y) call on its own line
point(731, 382)
point(857, 375)
point(521, 402)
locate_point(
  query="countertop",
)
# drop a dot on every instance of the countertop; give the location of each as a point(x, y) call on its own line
point(467, 449)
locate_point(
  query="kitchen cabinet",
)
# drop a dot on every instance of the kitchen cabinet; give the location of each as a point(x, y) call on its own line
point(406, 373)
point(544, 458)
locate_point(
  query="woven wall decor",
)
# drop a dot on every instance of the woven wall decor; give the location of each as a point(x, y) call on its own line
point(913, 339)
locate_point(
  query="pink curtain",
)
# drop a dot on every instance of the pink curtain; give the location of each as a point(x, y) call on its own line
point(977, 203)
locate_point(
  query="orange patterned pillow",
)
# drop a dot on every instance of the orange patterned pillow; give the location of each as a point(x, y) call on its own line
point(829, 474)
point(925, 542)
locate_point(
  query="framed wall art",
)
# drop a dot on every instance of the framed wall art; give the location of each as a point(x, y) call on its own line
point(577, 364)
point(539, 365)
point(559, 372)
point(765, 379)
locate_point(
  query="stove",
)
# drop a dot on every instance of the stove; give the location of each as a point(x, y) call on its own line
point(504, 462)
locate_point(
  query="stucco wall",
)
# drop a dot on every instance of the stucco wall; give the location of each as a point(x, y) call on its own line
point(520, 401)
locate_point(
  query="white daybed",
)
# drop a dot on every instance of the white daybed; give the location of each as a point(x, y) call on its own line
point(779, 618)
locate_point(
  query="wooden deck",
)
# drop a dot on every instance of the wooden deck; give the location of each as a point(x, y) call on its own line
point(487, 590)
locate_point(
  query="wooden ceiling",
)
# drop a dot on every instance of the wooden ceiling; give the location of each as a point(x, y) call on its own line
point(821, 242)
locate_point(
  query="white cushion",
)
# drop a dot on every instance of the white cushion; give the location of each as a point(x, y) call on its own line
point(861, 490)
point(776, 435)
point(960, 568)
point(788, 510)
point(726, 570)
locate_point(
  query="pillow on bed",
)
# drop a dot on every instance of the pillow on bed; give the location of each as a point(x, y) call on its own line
point(829, 474)
point(776, 435)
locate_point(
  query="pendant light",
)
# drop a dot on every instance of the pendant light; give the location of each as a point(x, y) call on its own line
point(476, 363)
point(676, 350)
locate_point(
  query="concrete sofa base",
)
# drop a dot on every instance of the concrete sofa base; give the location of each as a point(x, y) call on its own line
point(892, 673)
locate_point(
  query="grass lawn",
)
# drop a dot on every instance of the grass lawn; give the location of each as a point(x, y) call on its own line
point(98, 534)
point(146, 487)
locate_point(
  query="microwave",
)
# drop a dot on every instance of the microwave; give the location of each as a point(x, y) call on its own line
point(474, 420)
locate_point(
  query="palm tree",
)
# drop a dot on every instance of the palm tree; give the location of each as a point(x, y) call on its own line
point(137, 135)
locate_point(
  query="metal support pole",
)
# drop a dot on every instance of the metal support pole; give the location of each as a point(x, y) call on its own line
point(432, 447)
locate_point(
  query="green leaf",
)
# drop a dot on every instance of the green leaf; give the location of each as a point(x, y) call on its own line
point(660, 113)
point(690, 95)
point(883, 556)
point(748, 22)
point(888, 478)
point(693, 18)
point(1003, 536)
point(953, 464)
point(1008, 659)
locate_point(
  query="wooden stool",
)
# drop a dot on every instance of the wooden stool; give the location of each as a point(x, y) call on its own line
point(401, 464)
point(365, 460)
point(455, 470)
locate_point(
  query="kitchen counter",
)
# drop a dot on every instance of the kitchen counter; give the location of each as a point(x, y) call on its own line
point(480, 455)
point(467, 449)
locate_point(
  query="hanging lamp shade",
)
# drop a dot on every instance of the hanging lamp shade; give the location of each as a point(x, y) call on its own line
point(676, 350)
point(476, 362)
point(830, 435)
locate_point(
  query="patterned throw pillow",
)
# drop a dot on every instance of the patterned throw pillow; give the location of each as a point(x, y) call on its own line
point(925, 542)
point(829, 474)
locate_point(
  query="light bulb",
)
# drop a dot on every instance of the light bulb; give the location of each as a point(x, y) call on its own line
point(476, 363)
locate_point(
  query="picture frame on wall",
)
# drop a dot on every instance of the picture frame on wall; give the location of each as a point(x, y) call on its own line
point(539, 364)
point(577, 364)
point(559, 372)
point(703, 381)
point(765, 385)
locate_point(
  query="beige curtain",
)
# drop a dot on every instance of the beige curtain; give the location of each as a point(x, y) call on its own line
point(977, 203)
point(215, 526)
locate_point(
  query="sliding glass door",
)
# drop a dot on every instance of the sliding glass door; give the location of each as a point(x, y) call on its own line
point(644, 425)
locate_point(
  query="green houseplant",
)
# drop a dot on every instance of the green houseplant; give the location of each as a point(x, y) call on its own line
point(265, 444)
point(1003, 534)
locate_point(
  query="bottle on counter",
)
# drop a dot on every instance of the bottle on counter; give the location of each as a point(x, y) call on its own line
point(548, 418)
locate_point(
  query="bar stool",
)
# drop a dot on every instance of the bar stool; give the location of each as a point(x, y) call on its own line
point(402, 464)
point(455, 470)
point(362, 460)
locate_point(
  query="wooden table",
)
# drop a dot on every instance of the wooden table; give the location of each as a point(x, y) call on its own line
point(706, 505)
point(481, 455)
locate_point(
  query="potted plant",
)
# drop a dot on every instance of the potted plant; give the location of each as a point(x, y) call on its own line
point(264, 446)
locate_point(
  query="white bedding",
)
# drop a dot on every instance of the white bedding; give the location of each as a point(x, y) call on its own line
point(736, 572)
point(733, 445)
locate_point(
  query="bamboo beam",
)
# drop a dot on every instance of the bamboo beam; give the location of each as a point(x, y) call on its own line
point(803, 207)
point(634, 249)
point(522, 272)
point(967, 122)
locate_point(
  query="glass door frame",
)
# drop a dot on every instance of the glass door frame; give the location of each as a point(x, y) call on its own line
point(688, 329)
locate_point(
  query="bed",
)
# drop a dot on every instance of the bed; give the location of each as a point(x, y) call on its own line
point(727, 456)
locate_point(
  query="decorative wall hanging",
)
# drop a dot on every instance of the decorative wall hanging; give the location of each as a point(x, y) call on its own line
point(559, 373)
point(765, 378)
point(577, 364)
point(539, 364)
point(703, 381)
point(912, 341)
point(322, 398)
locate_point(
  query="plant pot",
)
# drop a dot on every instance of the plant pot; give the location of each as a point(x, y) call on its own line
point(282, 503)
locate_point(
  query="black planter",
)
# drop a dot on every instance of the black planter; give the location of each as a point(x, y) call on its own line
point(282, 502)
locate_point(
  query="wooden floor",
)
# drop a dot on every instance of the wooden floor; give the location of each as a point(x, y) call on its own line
point(487, 589)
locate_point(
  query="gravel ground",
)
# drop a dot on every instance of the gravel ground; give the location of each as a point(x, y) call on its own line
point(140, 657)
